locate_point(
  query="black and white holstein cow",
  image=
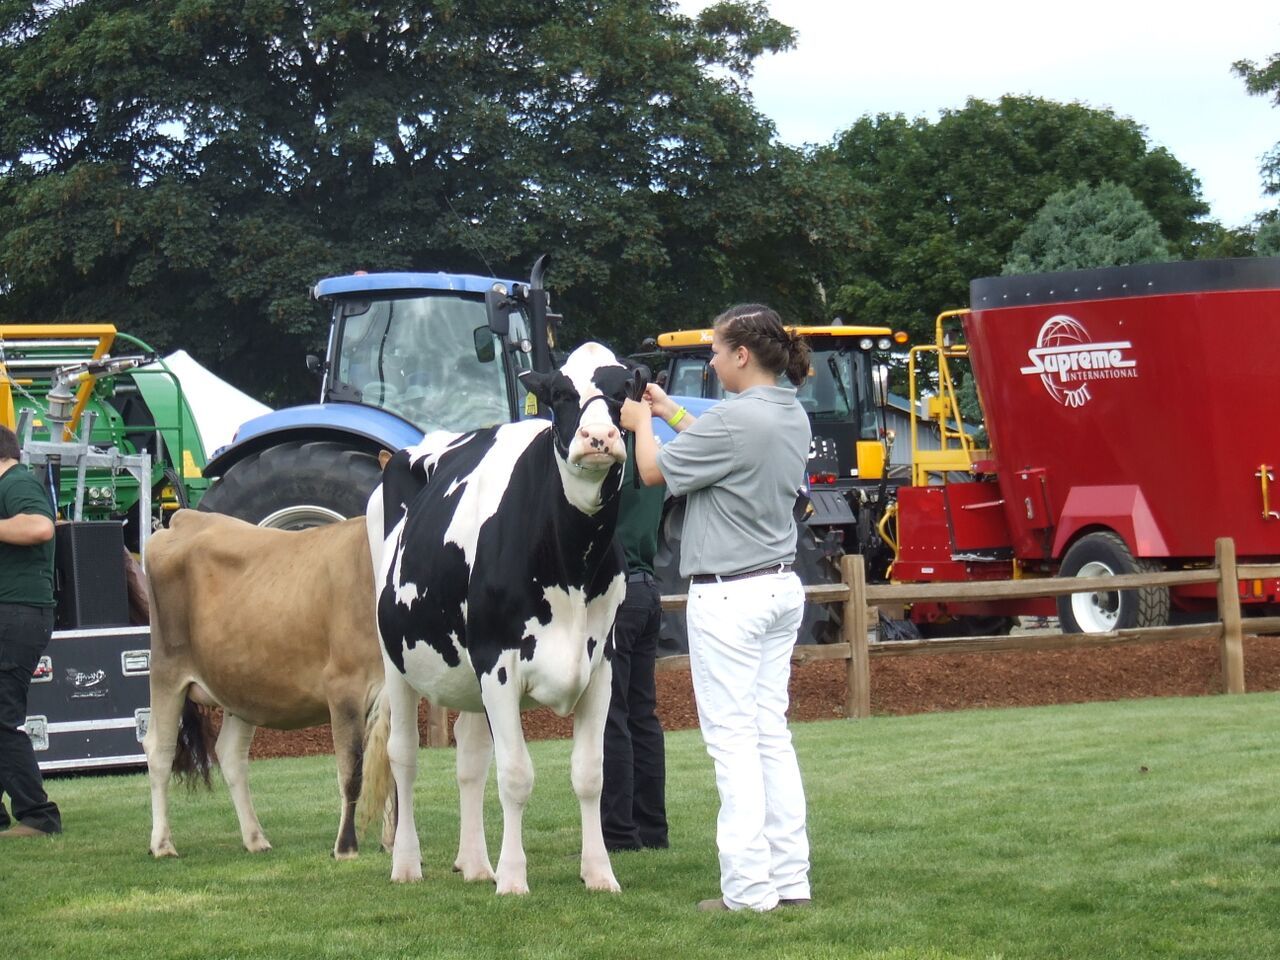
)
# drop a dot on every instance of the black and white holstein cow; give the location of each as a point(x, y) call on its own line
point(498, 578)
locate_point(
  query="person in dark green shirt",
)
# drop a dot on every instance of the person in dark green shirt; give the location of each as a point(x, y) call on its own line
point(633, 807)
point(26, 625)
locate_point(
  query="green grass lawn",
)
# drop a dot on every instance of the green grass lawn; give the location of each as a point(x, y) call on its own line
point(1133, 829)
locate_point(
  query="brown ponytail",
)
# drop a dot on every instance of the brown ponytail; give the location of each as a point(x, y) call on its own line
point(760, 330)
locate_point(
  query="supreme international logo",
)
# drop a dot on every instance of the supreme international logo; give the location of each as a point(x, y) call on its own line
point(1068, 361)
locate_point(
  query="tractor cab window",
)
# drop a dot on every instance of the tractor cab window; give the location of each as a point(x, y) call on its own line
point(695, 378)
point(416, 357)
point(838, 389)
point(688, 376)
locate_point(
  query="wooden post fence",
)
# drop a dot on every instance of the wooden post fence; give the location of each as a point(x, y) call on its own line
point(854, 630)
point(1229, 614)
point(861, 603)
point(437, 726)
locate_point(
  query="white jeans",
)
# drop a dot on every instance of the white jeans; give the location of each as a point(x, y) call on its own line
point(740, 639)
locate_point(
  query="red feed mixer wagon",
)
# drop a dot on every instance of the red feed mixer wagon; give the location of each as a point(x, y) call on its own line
point(1133, 415)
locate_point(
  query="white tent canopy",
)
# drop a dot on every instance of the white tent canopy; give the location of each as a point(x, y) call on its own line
point(218, 407)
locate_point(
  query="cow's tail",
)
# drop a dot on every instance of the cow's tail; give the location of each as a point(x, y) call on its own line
point(377, 792)
point(192, 762)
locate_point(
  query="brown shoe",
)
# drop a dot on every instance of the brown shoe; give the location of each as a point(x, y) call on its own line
point(22, 830)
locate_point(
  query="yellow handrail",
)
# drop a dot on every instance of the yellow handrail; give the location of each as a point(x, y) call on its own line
point(956, 449)
point(104, 333)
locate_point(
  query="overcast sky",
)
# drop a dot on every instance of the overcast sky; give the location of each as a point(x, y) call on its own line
point(1166, 66)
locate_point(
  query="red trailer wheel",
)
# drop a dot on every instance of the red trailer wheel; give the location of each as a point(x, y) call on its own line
point(1104, 554)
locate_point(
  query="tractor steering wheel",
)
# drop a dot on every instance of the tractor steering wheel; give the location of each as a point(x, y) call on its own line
point(380, 389)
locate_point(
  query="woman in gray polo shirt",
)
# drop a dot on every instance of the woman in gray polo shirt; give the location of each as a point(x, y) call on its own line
point(741, 464)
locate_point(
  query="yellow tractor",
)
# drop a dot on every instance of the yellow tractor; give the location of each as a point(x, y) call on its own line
point(845, 396)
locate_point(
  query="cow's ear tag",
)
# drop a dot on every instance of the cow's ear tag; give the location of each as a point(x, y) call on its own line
point(530, 405)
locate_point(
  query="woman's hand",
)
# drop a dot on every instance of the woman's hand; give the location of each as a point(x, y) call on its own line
point(634, 413)
point(662, 405)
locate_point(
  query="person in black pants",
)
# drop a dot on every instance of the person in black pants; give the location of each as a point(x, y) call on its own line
point(633, 807)
point(26, 625)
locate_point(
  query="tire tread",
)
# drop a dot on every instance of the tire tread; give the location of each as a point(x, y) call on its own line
point(1152, 602)
point(295, 472)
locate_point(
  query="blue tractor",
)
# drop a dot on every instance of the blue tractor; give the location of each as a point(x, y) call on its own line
point(408, 353)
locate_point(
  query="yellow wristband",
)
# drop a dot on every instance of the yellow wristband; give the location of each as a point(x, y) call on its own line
point(676, 417)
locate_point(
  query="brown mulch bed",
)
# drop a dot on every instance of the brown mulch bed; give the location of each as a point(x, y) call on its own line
point(927, 683)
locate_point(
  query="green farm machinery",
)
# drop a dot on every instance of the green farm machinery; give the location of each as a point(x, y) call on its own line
point(103, 422)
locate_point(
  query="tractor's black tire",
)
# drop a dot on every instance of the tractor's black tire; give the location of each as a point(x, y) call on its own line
point(1105, 554)
point(296, 485)
point(821, 622)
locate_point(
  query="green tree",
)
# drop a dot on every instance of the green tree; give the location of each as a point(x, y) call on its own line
point(947, 199)
point(1262, 81)
point(1268, 241)
point(1214, 241)
point(1085, 227)
point(188, 168)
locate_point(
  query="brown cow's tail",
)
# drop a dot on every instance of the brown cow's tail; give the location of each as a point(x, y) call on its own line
point(192, 762)
point(136, 586)
point(377, 793)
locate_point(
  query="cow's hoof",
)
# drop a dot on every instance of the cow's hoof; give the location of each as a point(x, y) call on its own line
point(475, 873)
point(409, 873)
point(345, 854)
point(164, 849)
point(257, 844)
point(606, 883)
point(518, 888)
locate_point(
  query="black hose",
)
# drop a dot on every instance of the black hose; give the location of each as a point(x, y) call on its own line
point(179, 489)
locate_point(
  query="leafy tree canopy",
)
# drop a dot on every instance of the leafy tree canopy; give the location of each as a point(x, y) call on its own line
point(1262, 81)
point(949, 198)
point(1215, 242)
point(1085, 227)
point(188, 168)
point(1269, 239)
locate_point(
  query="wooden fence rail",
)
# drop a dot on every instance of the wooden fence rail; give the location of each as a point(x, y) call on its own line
point(860, 602)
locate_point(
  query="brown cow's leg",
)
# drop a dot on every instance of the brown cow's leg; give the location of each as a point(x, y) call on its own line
point(233, 756)
point(168, 696)
point(347, 722)
point(475, 750)
point(586, 764)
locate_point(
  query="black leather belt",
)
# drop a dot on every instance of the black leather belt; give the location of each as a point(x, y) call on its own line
point(762, 572)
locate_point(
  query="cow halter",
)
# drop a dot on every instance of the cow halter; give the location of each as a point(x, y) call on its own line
point(635, 390)
point(613, 405)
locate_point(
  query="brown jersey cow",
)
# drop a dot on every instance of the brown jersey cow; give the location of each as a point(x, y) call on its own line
point(276, 628)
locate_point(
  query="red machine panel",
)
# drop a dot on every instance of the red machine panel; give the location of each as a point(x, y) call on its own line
point(923, 534)
point(975, 512)
point(1145, 399)
point(943, 530)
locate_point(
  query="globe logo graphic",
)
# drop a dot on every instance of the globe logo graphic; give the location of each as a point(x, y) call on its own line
point(1062, 331)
